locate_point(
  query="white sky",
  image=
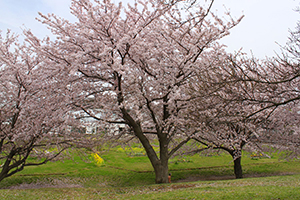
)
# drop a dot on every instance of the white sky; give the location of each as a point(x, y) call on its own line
point(265, 23)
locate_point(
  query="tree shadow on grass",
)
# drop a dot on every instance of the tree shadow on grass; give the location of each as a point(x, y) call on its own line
point(228, 177)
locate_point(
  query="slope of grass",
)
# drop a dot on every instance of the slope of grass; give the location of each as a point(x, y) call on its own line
point(131, 177)
point(279, 187)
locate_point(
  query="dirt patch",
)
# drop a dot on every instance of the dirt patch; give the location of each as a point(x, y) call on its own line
point(37, 186)
point(52, 184)
point(65, 183)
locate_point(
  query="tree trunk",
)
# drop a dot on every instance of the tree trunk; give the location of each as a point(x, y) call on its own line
point(159, 164)
point(161, 173)
point(162, 176)
point(9, 169)
point(238, 168)
point(2, 175)
point(5, 167)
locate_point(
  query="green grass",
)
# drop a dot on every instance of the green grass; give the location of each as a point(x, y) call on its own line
point(279, 187)
point(131, 177)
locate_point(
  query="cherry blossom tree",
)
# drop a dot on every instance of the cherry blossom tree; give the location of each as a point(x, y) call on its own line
point(33, 112)
point(131, 65)
point(281, 131)
point(219, 117)
point(237, 101)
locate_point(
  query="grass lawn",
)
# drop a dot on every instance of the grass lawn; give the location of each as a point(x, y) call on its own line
point(131, 177)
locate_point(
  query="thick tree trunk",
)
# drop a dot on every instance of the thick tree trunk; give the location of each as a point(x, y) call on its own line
point(159, 164)
point(237, 158)
point(162, 176)
point(2, 175)
point(9, 169)
point(161, 173)
point(5, 168)
point(238, 167)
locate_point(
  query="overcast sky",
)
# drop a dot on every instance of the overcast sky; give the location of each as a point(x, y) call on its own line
point(265, 23)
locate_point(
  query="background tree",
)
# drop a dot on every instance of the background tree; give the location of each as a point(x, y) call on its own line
point(238, 100)
point(33, 112)
point(134, 65)
point(281, 132)
point(219, 117)
point(282, 129)
point(271, 88)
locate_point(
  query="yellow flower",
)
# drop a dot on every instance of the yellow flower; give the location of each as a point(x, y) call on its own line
point(99, 161)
